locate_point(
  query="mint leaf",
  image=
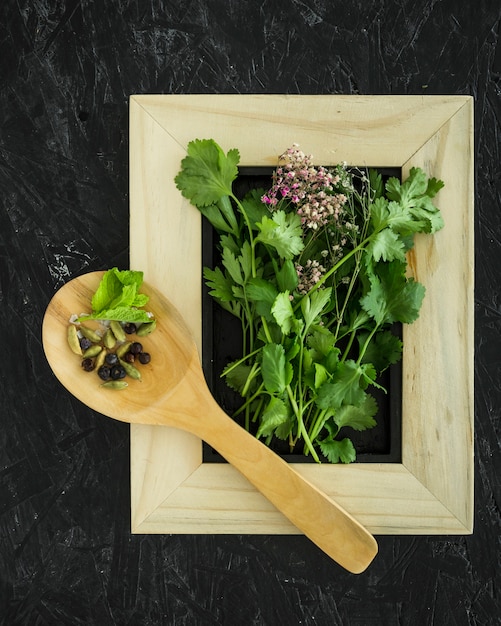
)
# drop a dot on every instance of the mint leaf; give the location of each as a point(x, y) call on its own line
point(207, 173)
point(120, 314)
point(117, 297)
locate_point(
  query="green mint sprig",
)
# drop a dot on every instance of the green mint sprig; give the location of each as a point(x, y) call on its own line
point(117, 298)
point(315, 269)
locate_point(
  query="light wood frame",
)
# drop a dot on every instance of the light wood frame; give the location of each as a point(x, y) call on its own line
point(431, 490)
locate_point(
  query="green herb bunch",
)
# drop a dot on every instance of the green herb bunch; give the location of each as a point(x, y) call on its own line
point(315, 269)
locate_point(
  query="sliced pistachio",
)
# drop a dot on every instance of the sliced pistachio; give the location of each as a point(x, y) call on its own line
point(131, 371)
point(109, 339)
point(117, 329)
point(123, 349)
point(92, 351)
point(146, 328)
point(90, 334)
point(115, 384)
point(73, 340)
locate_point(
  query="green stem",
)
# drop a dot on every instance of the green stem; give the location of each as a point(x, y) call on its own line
point(301, 427)
point(366, 344)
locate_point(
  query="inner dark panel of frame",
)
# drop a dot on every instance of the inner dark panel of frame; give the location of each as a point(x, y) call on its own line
point(221, 344)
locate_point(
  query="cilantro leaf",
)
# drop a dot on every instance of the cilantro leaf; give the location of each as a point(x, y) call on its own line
point(263, 294)
point(253, 207)
point(287, 278)
point(274, 415)
point(219, 283)
point(282, 232)
point(312, 304)
point(415, 196)
point(237, 376)
point(385, 349)
point(392, 296)
point(336, 451)
point(207, 173)
point(276, 371)
point(357, 417)
point(344, 388)
point(387, 246)
point(282, 312)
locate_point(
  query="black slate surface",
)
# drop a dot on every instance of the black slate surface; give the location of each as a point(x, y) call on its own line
point(67, 69)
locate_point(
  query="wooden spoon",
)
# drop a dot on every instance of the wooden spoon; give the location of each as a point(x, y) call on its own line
point(173, 392)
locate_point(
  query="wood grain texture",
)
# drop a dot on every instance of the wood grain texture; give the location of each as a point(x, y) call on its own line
point(173, 392)
point(432, 132)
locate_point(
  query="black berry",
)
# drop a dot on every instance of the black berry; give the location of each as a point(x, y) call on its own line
point(117, 372)
point(144, 357)
point(85, 343)
point(130, 328)
point(88, 365)
point(104, 372)
point(111, 358)
point(136, 348)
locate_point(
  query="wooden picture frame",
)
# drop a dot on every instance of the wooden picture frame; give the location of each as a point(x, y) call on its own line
point(431, 490)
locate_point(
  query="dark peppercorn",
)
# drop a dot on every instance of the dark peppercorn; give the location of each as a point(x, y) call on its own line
point(129, 357)
point(117, 372)
point(136, 348)
point(88, 364)
point(111, 358)
point(130, 328)
point(85, 343)
point(144, 357)
point(104, 372)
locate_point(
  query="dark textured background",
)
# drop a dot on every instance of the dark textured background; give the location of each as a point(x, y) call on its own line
point(67, 70)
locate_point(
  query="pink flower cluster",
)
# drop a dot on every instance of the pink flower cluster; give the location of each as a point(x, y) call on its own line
point(308, 275)
point(309, 188)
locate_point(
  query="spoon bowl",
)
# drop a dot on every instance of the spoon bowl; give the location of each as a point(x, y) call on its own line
point(173, 392)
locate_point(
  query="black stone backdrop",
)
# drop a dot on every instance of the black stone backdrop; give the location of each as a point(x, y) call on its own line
point(67, 69)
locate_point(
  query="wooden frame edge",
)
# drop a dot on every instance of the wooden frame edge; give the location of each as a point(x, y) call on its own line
point(161, 124)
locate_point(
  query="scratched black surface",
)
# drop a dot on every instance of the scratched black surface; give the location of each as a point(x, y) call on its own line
point(66, 72)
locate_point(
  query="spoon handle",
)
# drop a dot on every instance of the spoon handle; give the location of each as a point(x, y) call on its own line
point(323, 521)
